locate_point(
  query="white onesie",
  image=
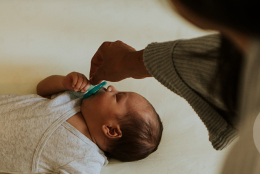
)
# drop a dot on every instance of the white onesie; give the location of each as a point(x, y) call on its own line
point(35, 137)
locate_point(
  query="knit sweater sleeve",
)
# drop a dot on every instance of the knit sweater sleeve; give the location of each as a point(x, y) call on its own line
point(186, 67)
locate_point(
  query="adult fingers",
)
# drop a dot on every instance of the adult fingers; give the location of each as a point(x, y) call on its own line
point(96, 62)
point(97, 59)
point(99, 76)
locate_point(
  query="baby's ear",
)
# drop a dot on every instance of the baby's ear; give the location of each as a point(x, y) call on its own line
point(112, 131)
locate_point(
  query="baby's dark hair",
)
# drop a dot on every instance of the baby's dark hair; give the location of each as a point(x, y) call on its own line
point(139, 137)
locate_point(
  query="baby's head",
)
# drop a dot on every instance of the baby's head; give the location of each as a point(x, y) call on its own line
point(123, 124)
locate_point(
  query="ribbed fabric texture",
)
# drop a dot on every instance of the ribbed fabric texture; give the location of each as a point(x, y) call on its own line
point(186, 68)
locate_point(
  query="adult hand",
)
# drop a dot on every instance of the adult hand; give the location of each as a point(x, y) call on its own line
point(115, 61)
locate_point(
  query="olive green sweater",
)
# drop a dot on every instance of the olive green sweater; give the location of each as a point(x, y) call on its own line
point(186, 67)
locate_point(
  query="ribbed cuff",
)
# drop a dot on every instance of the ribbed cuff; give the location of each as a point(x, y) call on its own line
point(158, 60)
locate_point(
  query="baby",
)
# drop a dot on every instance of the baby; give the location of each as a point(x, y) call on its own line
point(61, 133)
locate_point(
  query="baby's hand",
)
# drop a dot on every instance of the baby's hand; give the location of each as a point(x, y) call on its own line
point(76, 81)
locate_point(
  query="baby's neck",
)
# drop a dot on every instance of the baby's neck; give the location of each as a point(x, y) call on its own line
point(80, 124)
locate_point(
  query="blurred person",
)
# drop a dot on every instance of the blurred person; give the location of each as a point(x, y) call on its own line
point(218, 75)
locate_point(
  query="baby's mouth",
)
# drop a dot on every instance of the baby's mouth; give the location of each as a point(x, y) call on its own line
point(101, 90)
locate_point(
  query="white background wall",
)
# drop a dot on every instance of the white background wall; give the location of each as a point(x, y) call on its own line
point(42, 38)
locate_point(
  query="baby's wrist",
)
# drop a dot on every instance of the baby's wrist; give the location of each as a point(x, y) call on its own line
point(63, 84)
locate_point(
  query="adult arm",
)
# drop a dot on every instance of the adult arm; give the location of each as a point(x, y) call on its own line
point(187, 67)
point(115, 61)
point(192, 61)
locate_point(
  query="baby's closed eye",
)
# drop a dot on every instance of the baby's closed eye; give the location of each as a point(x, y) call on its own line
point(116, 95)
point(119, 95)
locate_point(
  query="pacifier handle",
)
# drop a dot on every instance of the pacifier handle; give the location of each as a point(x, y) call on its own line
point(94, 89)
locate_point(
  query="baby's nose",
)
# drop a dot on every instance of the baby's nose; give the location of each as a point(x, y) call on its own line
point(111, 88)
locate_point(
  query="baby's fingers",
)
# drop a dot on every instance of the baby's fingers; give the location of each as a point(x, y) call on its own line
point(77, 82)
point(70, 81)
point(74, 78)
point(85, 85)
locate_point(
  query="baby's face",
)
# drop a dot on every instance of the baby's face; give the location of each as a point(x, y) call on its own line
point(109, 104)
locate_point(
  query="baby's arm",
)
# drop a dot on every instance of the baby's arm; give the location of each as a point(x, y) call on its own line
point(56, 83)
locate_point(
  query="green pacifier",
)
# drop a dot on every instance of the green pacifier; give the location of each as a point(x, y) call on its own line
point(93, 89)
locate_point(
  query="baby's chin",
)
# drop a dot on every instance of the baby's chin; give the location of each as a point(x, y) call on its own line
point(93, 95)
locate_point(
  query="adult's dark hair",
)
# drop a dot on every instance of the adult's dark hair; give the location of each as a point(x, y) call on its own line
point(139, 138)
point(242, 15)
